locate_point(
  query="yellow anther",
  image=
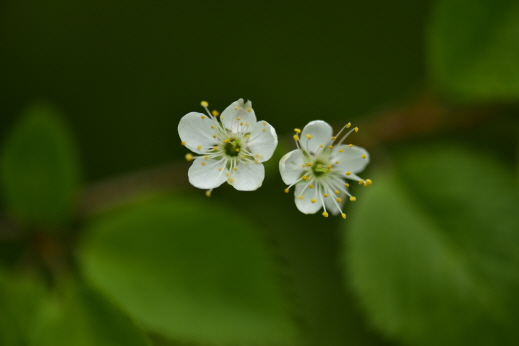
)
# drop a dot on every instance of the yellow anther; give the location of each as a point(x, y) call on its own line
point(347, 185)
point(339, 200)
point(189, 157)
point(220, 168)
point(204, 104)
point(199, 147)
point(361, 182)
point(300, 197)
point(325, 195)
point(236, 108)
point(206, 157)
point(343, 216)
point(264, 130)
point(215, 113)
point(214, 136)
point(348, 125)
point(296, 137)
point(203, 163)
point(341, 151)
point(212, 126)
point(238, 118)
point(222, 118)
point(303, 165)
point(348, 173)
point(368, 182)
point(247, 124)
point(244, 156)
point(337, 162)
point(227, 174)
point(249, 110)
point(237, 150)
point(363, 156)
point(286, 190)
point(247, 135)
point(297, 130)
point(202, 117)
point(330, 146)
point(356, 129)
point(309, 164)
point(310, 186)
point(336, 192)
point(235, 168)
point(182, 143)
point(353, 198)
point(304, 177)
point(329, 166)
point(314, 200)
point(350, 145)
point(215, 147)
point(320, 145)
point(208, 193)
point(309, 136)
point(325, 214)
point(264, 123)
point(241, 124)
point(230, 180)
point(227, 140)
point(334, 138)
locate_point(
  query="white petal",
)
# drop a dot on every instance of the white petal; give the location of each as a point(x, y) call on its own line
point(320, 133)
point(263, 141)
point(305, 205)
point(205, 174)
point(350, 159)
point(331, 202)
point(195, 130)
point(238, 109)
point(290, 166)
point(248, 176)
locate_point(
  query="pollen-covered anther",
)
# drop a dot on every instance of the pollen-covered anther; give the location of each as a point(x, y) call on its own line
point(348, 173)
point(361, 182)
point(368, 182)
point(215, 147)
point(309, 136)
point(238, 118)
point(325, 195)
point(353, 198)
point(356, 129)
point(325, 214)
point(297, 130)
point(341, 151)
point(189, 157)
point(314, 200)
point(199, 147)
point(203, 163)
point(235, 168)
point(249, 109)
point(296, 137)
point(343, 216)
point(336, 192)
point(220, 168)
point(236, 108)
point(237, 150)
point(303, 165)
point(212, 126)
point(348, 125)
point(208, 193)
point(202, 117)
point(334, 138)
point(230, 180)
point(347, 185)
point(310, 186)
point(227, 174)
point(214, 136)
point(227, 140)
point(264, 130)
point(300, 197)
point(204, 104)
point(206, 157)
point(309, 164)
point(330, 146)
point(320, 145)
point(287, 190)
point(215, 113)
point(264, 123)
point(350, 145)
point(339, 200)
point(182, 143)
point(363, 156)
point(337, 162)
point(241, 124)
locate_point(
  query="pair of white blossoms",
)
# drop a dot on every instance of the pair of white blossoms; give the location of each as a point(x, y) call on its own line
point(234, 148)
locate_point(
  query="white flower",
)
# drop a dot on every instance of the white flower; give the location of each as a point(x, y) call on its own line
point(318, 168)
point(231, 150)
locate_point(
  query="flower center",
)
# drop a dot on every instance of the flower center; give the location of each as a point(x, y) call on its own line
point(319, 168)
point(232, 148)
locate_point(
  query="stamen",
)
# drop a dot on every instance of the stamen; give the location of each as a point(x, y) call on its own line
point(348, 125)
point(309, 136)
point(189, 157)
point(325, 195)
point(363, 156)
point(339, 200)
point(356, 129)
point(204, 104)
point(208, 193)
point(361, 182)
point(199, 147)
point(287, 190)
point(350, 145)
point(264, 123)
point(343, 216)
point(341, 151)
point(368, 182)
point(296, 137)
point(330, 146)
point(203, 163)
point(336, 192)
point(348, 173)
point(182, 143)
point(325, 214)
point(215, 113)
point(297, 130)
point(311, 186)
point(202, 117)
point(314, 200)
point(353, 198)
point(309, 164)
point(300, 197)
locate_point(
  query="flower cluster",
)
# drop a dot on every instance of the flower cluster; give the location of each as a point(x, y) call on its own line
point(319, 167)
point(232, 146)
point(231, 149)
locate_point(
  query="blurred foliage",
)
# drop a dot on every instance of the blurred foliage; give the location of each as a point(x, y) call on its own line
point(39, 169)
point(474, 48)
point(428, 256)
point(191, 270)
point(443, 256)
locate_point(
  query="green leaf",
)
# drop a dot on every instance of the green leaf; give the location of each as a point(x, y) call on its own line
point(190, 270)
point(473, 49)
point(433, 249)
point(80, 316)
point(39, 169)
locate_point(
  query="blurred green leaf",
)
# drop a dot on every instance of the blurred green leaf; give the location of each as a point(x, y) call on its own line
point(433, 249)
point(473, 49)
point(80, 316)
point(190, 270)
point(19, 299)
point(39, 169)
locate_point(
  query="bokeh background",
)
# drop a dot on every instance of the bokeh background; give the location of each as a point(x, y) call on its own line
point(104, 242)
